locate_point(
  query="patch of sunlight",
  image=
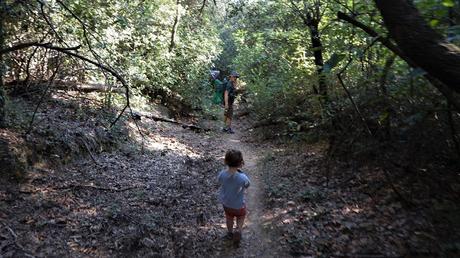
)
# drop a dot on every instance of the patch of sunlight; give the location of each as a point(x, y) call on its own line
point(90, 211)
point(158, 143)
point(269, 217)
point(350, 209)
point(247, 223)
point(40, 165)
point(76, 246)
point(235, 140)
point(41, 191)
point(288, 221)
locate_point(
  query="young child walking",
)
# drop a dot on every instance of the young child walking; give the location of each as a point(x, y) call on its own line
point(233, 182)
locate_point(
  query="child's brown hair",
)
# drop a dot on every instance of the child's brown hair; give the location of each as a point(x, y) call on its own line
point(234, 158)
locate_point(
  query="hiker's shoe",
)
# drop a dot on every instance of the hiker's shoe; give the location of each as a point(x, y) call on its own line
point(230, 131)
point(228, 236)
point(236, 238)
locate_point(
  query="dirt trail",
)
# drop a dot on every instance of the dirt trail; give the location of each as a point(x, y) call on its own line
point(126, 203)
point(256, 242)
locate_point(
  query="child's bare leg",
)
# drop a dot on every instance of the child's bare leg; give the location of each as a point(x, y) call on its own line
point(240, 223)
point(229, 224)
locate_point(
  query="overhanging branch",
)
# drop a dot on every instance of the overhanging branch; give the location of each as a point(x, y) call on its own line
point(444, 89)
point(36, 44)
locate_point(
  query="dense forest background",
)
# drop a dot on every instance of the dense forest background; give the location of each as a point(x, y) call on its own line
point(324, 68)
point(375, 83)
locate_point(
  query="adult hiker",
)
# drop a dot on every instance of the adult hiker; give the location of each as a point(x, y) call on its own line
point(229, 98)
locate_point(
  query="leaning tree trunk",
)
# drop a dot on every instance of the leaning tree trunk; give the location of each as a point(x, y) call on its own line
point(318, 54)
point(172, 44)
point(2, 91)
point(428, 49)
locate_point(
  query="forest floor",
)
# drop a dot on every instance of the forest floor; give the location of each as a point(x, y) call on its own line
point(156, 197)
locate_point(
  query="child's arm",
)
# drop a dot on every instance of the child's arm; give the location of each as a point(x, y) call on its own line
point(219, 178)
point(247, 182)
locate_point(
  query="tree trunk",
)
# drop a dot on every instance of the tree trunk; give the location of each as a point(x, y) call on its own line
point(421, 43)
point(172, 44)
point(318, 54)
point(2, 91)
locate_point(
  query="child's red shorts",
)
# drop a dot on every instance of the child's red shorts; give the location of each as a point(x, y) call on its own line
point(230, 213)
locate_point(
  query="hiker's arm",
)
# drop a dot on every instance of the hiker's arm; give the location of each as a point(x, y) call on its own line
point(226, 99)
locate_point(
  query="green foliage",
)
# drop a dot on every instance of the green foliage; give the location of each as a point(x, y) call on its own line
point(333, 61)
point(133, 37)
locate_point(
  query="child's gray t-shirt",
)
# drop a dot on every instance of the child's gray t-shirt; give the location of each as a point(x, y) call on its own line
point(232, 185)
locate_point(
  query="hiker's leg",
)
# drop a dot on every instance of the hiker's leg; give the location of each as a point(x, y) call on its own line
point(228, 122)
point(228, 117)
point(240, 223)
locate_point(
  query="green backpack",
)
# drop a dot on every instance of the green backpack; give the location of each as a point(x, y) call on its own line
point(218, 97)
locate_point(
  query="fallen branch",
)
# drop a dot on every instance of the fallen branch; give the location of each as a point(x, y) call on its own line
point(86, 87)
point(112, 189)
point(168, 120)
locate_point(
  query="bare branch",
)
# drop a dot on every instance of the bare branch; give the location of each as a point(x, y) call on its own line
point(36, 44)
point(202, 7)
point(450, 95)
point(42, 98)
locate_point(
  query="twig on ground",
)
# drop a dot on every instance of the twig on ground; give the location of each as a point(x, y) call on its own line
point(11, 231)
point(90, 152)
point(15, 236)
point(112, 189)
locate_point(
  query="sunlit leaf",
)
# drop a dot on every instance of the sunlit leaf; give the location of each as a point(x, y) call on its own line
point(434, 22)
point(448, 3)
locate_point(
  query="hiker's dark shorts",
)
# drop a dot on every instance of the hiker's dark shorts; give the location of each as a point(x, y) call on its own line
point(229, 112)
point(231, 213)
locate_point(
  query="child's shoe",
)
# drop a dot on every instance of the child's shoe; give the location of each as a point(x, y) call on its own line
point(230, 131)
point(224, 129)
